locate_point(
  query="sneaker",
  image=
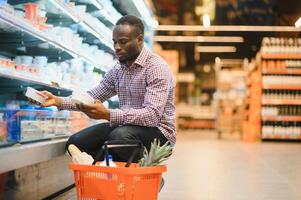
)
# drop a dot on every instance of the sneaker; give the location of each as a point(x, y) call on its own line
point(162, 184)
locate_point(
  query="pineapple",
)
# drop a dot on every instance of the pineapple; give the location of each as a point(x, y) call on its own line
point(156, 155)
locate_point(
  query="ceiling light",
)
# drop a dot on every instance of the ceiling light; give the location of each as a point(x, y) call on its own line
point(165, 38)
point(228, 28)
point(216, 49)
point(155, 23)
point(298, 23)
point(217, 60)
point(207, 68)
point(206, 21)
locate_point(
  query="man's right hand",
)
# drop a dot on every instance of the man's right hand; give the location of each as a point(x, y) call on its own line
point(51, 100)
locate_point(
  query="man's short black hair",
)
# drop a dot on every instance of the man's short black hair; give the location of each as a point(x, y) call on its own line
point(133, 21)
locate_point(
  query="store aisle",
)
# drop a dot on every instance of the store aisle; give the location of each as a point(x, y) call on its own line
point(204, 168)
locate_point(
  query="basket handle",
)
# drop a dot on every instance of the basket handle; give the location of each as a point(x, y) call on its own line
point(118, 143)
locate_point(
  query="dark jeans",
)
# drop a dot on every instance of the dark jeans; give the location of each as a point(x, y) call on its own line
point(91, 139)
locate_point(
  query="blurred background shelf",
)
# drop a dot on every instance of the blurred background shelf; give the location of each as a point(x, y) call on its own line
point(282, 56)
point(281, 102)
point(281, 87)
point(282, 71)
point(282, 118)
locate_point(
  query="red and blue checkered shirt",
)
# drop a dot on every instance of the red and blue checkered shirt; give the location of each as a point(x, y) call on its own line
point(145, 91)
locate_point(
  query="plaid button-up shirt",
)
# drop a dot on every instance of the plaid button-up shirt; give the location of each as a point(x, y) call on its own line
point(145, 91)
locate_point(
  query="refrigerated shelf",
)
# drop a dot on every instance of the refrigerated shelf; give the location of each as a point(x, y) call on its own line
point(82, 22)
point(22, 80)
point(24, 25)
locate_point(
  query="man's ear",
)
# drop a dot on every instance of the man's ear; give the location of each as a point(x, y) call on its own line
point(140, 39)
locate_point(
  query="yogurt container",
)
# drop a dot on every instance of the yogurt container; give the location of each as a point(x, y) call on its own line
point(35, 95)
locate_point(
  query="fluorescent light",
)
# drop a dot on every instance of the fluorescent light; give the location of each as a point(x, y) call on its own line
point(228, 28)
point(216, 49)
point(160, 38)
point(298, 23)
point(206, 21)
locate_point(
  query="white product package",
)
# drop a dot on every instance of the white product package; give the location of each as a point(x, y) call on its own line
point(82, 97)
point(80, 157)
point(35, 95)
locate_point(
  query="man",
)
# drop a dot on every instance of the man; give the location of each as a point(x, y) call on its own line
point(145, 88)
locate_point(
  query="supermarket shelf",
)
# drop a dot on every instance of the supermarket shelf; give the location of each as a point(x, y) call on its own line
point(282, 71)
point(196, 124)
point(282, 118)
point(281, 56)
point(281, 102)
point(79, 20)
point(281, 137)
point(281, 87)
point(98, 9)
point(24, 25)
point(22, 80)
point(21, 155)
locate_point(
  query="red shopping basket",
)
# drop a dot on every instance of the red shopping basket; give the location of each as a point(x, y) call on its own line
point(125, 182)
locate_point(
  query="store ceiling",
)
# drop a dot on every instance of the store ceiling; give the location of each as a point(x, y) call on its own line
point(228, 12)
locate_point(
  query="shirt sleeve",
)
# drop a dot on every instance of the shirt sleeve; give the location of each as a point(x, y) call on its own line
point(106, 88)
point(67, 104)
point(102, 92)
point(159, 81)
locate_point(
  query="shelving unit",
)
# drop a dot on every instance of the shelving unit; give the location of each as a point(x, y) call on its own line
point(85, 24)
point(281, 87)
point(231, 100)
point(23, 25)
point(276, 109)
point(251, 125)
point(273, 56)
point(281, 102)
point(281, 118)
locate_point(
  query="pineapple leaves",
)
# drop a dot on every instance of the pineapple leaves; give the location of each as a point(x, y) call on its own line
point(156, 155)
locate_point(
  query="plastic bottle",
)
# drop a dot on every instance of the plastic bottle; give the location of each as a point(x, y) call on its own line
point(111, 163)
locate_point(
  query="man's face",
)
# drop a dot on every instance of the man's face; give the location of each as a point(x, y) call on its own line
point(127, 42)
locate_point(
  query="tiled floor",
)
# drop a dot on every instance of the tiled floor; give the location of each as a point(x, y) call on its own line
point(204, 168)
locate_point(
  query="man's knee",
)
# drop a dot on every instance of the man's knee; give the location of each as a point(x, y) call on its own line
point(73, 139)
point(121, 133)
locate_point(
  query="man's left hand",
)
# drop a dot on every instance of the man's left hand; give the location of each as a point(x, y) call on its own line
point(95, 111)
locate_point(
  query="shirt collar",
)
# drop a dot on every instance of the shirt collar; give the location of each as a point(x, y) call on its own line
point(141, 59)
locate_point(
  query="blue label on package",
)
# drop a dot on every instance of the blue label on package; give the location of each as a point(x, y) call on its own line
point(13, 126)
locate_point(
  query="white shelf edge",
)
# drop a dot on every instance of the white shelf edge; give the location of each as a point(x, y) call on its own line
point(21, 77)
point(22, 155)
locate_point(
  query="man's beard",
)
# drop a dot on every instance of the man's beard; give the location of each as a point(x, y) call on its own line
point(129, 58)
